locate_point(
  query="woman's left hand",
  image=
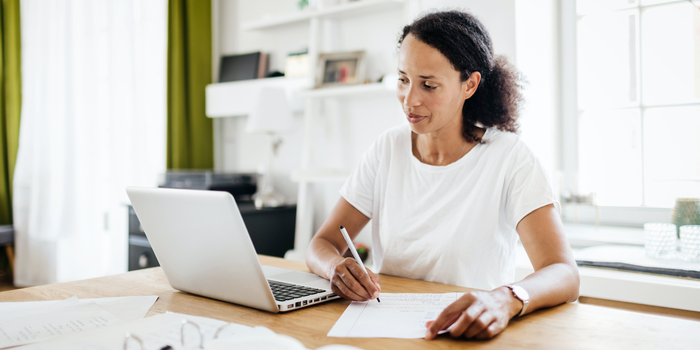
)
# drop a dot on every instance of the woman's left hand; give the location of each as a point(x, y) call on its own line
point(478, 315)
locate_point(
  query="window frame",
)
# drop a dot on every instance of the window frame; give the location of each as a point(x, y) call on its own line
point(569, 118)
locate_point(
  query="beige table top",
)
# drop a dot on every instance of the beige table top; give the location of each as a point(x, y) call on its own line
point(569, 326)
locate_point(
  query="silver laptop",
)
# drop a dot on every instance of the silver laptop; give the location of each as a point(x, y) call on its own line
point(204, 248)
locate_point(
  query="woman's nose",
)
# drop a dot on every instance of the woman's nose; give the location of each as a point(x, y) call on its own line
point(411, 98)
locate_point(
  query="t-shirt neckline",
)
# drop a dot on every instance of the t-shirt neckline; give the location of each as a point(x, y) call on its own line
point(465, 158)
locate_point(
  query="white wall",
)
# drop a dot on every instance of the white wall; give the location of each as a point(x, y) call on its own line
point(498, 16)
point(537, 52)
point(360, 120)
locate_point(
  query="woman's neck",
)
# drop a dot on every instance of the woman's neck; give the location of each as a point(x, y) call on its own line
point(442, 147)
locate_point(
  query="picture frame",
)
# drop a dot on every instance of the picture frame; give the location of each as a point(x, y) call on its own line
point(340, 69)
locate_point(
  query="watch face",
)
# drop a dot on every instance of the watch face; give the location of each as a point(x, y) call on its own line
point(521, 293)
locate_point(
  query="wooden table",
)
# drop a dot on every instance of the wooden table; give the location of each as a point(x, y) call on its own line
point(570, 326)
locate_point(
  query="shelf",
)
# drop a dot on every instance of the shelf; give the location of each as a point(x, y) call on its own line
point(350, 90)
point(320, 175)
point(236, 98)
point(336, 12)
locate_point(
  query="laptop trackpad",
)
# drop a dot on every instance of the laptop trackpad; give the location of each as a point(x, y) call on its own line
point(306, 279)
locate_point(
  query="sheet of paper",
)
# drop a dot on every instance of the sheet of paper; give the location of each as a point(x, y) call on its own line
point(125, 308)
point(11, 310)
point(156, 332)
point(33, 321)
point(400, 315)
point(29, 326)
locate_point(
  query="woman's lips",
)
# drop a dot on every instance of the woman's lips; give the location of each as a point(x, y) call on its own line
point(414, 118)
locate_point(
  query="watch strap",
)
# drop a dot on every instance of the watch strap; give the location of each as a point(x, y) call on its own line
point(524, 299)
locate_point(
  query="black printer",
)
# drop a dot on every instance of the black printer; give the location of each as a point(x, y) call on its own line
point(241, 185)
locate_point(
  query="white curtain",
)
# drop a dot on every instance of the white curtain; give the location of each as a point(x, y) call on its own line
point(93, 122)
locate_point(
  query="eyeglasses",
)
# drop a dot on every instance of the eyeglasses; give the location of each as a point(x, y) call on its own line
point(184, 336)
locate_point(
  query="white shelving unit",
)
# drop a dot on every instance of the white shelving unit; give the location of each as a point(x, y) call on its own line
point(311, 173)
point(357, 8)
point(350, 91)
point(236, 98)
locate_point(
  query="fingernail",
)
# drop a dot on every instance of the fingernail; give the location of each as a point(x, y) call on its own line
point(427, 334)
point(376, 294)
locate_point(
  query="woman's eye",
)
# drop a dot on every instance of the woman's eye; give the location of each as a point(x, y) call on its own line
point(429, 87)
point(402, 80)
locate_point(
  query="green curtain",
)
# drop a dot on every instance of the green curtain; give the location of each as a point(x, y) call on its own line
point(10, 102)
point(190, 140)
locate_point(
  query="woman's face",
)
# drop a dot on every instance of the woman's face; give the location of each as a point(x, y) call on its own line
point(430, 89)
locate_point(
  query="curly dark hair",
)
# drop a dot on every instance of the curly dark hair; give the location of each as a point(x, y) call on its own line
point(463, 39)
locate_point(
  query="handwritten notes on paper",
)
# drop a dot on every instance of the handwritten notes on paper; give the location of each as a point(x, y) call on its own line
point(32, 327)
point(30, 322)
point(165, 331)
point(155, 332)
point(398, 316)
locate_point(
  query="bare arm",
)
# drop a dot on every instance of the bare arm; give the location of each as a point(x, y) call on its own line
point(324, 256)
point(556, 278)
point(482, 315)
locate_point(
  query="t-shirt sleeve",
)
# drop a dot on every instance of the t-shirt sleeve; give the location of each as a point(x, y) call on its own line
point(529, 189)
point(358, 189)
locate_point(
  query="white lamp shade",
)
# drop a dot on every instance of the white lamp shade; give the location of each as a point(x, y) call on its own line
point(270, 112)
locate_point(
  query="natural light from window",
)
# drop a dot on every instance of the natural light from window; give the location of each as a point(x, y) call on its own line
point(638, 88)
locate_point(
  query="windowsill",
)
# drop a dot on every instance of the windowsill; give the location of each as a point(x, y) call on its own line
point(582, 236)
point(625, 286)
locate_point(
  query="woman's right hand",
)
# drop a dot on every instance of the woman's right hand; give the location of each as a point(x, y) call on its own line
point(349, 281)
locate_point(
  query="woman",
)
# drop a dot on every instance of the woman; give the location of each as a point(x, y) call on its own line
point(448, 193)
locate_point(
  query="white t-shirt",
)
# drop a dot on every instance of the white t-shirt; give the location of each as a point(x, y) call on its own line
point(451, 224)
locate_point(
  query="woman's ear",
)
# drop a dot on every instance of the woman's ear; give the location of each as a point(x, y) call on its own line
point(470, 85)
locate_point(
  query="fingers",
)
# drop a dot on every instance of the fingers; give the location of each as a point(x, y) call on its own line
point(492, 330)
point(339, 288)
point(475, 315)
point(357, 280)
point(449, 316)
point(375, 279)
point(364, 278)
point(466, 320)
point(479, 324)
point(353, 282)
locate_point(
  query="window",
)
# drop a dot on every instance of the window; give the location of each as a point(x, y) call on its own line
point(637, 86)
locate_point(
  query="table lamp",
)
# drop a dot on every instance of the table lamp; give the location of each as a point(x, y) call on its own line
point(270, 115)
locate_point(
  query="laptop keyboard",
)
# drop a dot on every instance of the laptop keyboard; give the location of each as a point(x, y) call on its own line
point(286, 291)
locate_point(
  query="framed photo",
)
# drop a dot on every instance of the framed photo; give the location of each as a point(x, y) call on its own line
point(340, 68)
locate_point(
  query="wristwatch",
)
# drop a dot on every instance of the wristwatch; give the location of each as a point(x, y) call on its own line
point(521, 294)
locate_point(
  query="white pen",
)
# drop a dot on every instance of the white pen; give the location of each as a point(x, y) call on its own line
point(354, 251)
